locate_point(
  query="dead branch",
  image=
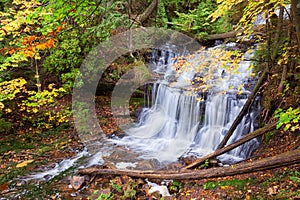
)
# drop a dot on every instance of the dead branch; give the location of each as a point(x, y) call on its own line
point(241, 141)
point(244, 109)
point(284, 159)
point(230, 34)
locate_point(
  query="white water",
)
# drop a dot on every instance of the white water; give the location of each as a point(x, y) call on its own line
point(177, 124)
point(58, 168)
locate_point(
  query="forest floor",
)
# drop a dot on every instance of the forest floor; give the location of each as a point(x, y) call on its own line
point(24, 152)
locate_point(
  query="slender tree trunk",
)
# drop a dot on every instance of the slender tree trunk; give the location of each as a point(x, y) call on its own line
point(277, 42)
point(295, 5)
point(129, 8)
point(283, 78)
point(279, 25)
point(37, 76)
point(145, 15)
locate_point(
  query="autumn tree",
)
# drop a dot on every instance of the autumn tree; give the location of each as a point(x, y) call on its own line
point(42, 46)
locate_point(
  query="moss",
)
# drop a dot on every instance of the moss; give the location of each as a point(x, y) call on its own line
point(237, 184)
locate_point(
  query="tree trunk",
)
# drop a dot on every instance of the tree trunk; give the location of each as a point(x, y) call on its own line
point(295, 5)
point(279, 26)
point(283, 78)
point(244, 109)
point(241, 141)
point(284, 159)
point(145, 15)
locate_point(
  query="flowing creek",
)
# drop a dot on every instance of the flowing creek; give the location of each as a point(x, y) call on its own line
point(178, 122)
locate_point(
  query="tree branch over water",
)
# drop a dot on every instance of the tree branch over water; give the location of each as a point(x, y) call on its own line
point(241, 141)
point(244, 109)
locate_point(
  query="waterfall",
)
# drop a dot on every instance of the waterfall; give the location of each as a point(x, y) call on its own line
point(179, 124)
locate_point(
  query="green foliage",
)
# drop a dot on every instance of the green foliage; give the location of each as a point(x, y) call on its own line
point(107, 196)
point(291, 180)
point(209, 185)
point(66, 55)
point(86, 31)
point(37, 107)
point(268, 137)
point(114, 75)
point(286, 88)
point(68, 79)
point(128, 189)
point(205, 164)
point(131, 190)
point(288, 119)
point(115, 186)
point(238, 184)
point(56, 36)
point(175, 187)
point(65, 59)
point(5, 126)
point(196, 21)
point(295, 176)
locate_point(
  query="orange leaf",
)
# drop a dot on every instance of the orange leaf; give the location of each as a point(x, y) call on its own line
point(41, 46)
point(11, 51)
point(4, 186)
point(28, 52)
point(50, 43)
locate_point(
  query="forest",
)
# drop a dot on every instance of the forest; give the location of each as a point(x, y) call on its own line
point(74, 74)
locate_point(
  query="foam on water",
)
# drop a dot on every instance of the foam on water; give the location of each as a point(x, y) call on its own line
point(177, 124)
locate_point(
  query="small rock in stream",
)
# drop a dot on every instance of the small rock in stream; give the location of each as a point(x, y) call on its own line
point(73, 194)
point(77, 182)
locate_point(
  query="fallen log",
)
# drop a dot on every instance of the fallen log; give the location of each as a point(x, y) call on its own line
point(237, 143)
point(233, 34)
point(220, 36)
point(284, 159)
point(244, 109)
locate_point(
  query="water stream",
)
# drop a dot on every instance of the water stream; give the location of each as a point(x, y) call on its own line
point(178, 122)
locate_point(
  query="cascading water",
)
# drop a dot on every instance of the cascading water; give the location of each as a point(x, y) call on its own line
point(178, 124)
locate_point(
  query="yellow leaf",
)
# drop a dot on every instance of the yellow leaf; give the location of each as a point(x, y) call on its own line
point(24, 163)
point(1, 105)
point(37, 56)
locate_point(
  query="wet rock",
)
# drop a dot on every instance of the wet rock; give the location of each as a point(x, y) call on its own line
point(152, 164)
point(159, 189)
point(140, 182)
point(73, 194)
point(186, 160)
point(77, 182)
